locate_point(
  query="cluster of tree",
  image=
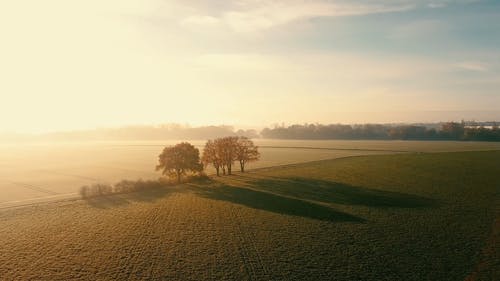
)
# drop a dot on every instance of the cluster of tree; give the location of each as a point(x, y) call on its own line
point(448, 131)
point(223, 152)
point(332, 131)
point(183, 158)
point(481, 134)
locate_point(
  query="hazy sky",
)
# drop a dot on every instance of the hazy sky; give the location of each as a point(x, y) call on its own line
point(98, 63)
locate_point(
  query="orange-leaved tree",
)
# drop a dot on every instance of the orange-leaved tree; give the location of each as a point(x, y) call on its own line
point(227, 147)
point(211, 155)
point(177, 160)
point(222, 152)
point(246, 151)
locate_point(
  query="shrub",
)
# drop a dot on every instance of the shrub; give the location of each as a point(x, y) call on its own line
point(94, 190)
point(126, 186)
point(200, 178)
point(85, 191)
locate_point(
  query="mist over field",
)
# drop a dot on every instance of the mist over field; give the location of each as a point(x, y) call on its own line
point(250, 140)
point(43, 171)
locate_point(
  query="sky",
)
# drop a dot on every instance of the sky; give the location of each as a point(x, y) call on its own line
point(70, 65)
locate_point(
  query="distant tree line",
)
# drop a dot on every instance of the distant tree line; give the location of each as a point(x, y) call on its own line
point(447, 131)
point(133, 133)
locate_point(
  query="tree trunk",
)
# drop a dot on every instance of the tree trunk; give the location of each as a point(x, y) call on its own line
point(224, 170)
point(217, 169)
point(229, 169)
point(242, 166)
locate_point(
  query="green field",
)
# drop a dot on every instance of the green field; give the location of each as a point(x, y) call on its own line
point(419, 216)
point(34, 172)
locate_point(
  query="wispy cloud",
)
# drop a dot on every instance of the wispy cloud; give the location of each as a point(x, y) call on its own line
point(255, 15)
point(420, 29)
point(471, 66)
point(258, 15)
point(200, 20)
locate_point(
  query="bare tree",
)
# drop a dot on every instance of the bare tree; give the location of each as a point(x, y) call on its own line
point(246, 151)
point(176, 160)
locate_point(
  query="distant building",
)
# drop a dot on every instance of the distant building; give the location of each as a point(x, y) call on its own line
point(478, 126)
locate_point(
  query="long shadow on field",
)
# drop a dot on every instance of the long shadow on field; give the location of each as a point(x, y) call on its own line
point(275, 203)
point(339, 193)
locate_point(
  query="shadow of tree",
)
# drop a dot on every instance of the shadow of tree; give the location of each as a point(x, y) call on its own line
point(274, 203)
point(339, 193)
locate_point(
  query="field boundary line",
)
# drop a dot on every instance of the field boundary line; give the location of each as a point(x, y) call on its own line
point(39, 200)
point(364, 155)
point(34, 187)
point(332, 148)
point(68, 175)
point(315, 161)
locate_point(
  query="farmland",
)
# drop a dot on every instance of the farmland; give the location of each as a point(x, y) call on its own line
point(41, 172)
point(411, 216)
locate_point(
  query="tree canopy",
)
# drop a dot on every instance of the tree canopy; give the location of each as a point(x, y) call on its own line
point(176, 161)
point(246, 151)
point(222, 152)
point(212, 156)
